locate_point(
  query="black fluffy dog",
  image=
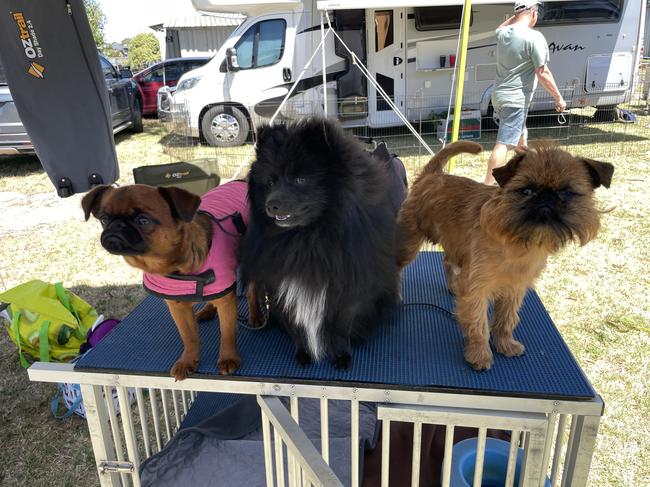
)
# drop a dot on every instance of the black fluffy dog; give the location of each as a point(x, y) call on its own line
point(321, 239)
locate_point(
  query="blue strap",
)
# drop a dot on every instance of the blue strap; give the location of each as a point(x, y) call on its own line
point(54, 405)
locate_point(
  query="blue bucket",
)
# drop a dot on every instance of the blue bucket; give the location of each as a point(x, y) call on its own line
point(495, 463)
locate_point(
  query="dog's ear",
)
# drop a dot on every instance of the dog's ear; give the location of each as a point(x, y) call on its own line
point(182, 204)
point(505, 173)
point(271, 135)
point(262, 133)
point(331, 134)
point(600, 172)
point(90, 202)
point(381, 153)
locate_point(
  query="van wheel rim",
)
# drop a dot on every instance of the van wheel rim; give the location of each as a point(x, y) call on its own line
point(224, 127)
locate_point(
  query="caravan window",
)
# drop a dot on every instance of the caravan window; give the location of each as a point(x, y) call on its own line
point(580, 12)
point(245, 48)
point(262, 44)
point(383, 29)
point(439, 18)
point(271, 42)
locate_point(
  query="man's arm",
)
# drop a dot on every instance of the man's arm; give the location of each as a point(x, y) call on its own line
point(546, 79)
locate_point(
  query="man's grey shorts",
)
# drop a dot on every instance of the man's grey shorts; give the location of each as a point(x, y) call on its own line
point(512, 125)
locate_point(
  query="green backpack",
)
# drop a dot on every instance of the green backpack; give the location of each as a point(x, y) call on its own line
point(46, 321)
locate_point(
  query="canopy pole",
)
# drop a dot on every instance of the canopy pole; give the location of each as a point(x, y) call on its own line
point(460, 81)
point(322, 36)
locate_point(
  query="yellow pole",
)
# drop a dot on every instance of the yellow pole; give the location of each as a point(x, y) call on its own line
point(460, 81)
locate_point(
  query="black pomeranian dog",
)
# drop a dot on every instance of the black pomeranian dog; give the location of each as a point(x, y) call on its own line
point(320, 245)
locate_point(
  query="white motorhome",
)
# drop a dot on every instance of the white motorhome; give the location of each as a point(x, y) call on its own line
point(594, 53)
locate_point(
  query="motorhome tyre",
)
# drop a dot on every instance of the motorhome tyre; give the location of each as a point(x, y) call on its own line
point(224, 126)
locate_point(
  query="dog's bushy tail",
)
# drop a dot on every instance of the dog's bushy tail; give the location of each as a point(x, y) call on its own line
point(440, 159)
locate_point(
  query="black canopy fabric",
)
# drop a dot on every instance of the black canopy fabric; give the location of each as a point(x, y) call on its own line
point(52, 67)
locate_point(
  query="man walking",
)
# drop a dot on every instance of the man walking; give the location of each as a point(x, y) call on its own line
point(522, 58)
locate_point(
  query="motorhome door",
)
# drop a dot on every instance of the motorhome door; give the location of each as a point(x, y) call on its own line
point(265, 57)
point(386, 63)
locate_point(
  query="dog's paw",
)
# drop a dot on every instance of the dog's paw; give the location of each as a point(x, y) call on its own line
point(206, 313)
point(343, 361)
point(479, 357)
point(183, 368)
point(509, 347)
point(228, 365)
point(255, 320)
point(303, 357)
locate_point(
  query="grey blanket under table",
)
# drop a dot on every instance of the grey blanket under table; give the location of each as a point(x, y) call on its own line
point(227, 448)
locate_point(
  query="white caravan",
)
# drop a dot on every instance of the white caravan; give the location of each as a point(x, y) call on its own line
point(594, 52)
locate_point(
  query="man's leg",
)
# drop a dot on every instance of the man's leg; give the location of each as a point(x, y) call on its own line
point(497, 158)
point(523, 141)
point(511, 122)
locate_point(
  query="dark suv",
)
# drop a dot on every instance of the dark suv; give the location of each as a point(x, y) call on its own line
point(125, 110)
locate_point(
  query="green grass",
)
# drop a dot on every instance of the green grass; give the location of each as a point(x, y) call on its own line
point(597, 295)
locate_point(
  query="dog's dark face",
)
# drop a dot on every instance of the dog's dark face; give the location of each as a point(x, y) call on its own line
point(546, 198)
point(140, 222)
point(294, 196)
point(297, 174)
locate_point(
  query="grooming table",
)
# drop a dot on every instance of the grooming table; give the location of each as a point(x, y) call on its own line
point(419, 347)
point(412, 366)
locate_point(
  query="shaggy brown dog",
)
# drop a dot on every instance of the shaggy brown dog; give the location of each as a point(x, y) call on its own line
point(497, 240)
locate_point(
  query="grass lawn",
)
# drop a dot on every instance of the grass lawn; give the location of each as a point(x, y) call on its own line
point(597, 294)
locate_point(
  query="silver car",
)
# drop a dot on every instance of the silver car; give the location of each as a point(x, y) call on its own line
point(13, 137)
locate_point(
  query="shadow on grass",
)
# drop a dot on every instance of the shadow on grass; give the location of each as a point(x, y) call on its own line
point(113, 301)
point(22, 165)
point(151, 127)
point(178, 140)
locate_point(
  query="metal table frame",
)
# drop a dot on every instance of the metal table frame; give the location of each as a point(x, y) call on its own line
point(541, 423)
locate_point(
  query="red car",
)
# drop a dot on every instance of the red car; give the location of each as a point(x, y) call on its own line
point(165, 73)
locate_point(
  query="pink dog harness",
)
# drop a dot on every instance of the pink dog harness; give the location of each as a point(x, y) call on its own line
point(227, 206)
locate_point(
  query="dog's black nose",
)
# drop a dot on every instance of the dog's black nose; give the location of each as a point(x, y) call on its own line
point(275, 207)
point(114, 243)
point(118, 245)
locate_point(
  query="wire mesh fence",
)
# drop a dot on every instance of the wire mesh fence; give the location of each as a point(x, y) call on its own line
point(612, 129)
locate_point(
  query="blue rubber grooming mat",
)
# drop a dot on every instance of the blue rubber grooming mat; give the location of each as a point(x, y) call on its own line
point(206, 405)
point(419, 347)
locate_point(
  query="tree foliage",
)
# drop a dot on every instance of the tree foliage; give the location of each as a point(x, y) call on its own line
point(143, 51)
point(97, 20)
point(110, 51)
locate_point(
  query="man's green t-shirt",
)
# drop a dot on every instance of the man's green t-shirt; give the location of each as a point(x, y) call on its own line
point(520, 50)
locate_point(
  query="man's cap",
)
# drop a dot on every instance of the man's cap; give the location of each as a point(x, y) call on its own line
point(521, 5)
